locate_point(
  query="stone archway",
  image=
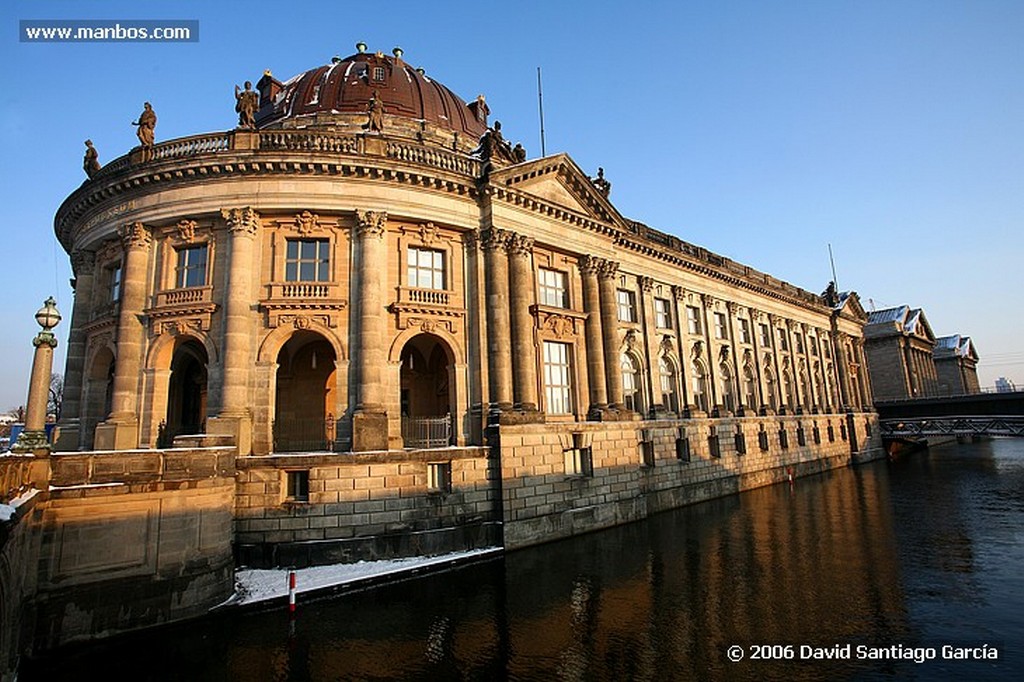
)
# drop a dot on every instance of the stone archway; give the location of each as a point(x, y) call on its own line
point(186, 391)
point(304, 418)
point(98, 394)
point(427, 391)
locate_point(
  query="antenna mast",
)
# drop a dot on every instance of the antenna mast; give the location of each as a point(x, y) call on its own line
point(835, 280)
point(540, 105)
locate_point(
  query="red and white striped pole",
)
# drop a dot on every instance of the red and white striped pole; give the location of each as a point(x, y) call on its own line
point(291, 591)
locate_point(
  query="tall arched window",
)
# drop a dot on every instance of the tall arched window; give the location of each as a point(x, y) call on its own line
point(700, 386)
point(771, 389)
point(667, 373)
point(630, 384)
point(728, 392)
point(787, 387)
point(749, 388)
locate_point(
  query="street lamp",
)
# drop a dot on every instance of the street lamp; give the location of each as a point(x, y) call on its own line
point(33, 438)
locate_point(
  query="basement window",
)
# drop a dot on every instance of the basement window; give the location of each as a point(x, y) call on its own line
point(298, 486)
point(439, 477)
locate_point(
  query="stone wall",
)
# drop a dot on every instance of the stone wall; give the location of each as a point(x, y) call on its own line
point(125, 540)
point(639, 468)
point(363, 507)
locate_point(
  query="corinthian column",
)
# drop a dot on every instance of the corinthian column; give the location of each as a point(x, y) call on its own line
point(370, 420)
point(610, 330)
point(589, 266)
point(499, 336)
point(83, 264)
point(524, 352)
point(121, 429)
point(235, 417)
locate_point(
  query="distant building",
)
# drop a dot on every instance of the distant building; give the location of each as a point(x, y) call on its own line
point(899, 345)
point(1004, 385)
point(956, 363)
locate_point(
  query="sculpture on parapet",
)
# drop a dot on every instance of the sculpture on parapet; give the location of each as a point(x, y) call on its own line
point(493, 145)
point(91, 162)
point(375, 111)
point(602, 185)
point(147, 126)
point(519, 153)
point(246, 104)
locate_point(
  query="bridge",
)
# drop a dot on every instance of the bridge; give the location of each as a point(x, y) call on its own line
point(978, 414)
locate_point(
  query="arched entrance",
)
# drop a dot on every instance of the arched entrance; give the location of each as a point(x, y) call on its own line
point(426, 398)
point(186, 392)
point(98, 394)
point(304, 419)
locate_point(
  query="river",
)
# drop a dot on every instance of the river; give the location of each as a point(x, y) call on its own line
point(875, 566)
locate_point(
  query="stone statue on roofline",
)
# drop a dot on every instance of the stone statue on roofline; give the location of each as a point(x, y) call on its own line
point(91, 162)
point(147, 126)
point(519, 153)
point(246, 104)
point(602, 185)
point(375, 111)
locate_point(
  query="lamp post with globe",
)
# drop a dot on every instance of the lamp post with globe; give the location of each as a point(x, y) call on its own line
point(33, 438)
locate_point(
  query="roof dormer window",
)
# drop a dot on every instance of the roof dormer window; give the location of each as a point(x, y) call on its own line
point(378, 73)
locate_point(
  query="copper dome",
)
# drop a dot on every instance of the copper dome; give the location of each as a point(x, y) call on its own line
point(345, 86)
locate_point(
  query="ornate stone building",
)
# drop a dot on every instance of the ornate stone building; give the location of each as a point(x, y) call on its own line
point(956, 364)
point(373, 268)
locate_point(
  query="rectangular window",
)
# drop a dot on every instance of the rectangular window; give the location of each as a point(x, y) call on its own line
point(553, 291)
point(721, 332)
point(627, 306)
point(425, 269)
point(744, 331)
point(646, 452)
point(662, 313)
point(190, 270)
point(693, 320)
point(783, 340)
point(114, 282)
point(766, 339)
point(307, 260)
point(557, 378)
point(579, 459)
point(439, 477)
point(298, 486)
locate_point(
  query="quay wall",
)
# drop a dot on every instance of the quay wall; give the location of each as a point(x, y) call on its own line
point(364, 507)
point(633, 469)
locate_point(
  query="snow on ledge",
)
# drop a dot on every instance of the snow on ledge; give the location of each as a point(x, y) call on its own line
point(256, 585)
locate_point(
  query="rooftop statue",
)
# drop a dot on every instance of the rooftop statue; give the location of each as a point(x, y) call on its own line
point(147, 126)
point(246, 104)
point(91, 162)
point(375, 110)
point(602, 185)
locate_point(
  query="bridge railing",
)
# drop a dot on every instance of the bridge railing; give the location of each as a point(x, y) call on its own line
point(964, 425)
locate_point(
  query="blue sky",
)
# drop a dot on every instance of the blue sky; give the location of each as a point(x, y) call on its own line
point(761, 130)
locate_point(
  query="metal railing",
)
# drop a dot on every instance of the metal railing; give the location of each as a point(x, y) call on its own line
point(427, 432)
point(305, 435)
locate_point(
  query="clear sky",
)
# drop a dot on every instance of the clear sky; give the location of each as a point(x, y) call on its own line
point(764, 131)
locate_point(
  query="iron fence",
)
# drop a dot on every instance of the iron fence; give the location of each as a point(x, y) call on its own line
point(427, 432)
point(313, 434)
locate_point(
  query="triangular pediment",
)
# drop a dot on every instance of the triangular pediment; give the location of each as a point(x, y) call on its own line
point(558, 180)
point(851, 308)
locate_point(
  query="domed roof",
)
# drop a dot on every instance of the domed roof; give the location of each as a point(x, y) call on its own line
point(345, 86)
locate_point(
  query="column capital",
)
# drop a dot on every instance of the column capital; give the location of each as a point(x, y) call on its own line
point(135, 236)
point(607, 269)
point(241, 221)
point(707, 300)
point(732, 307)
point(518, 245)
point(647, 284)
point(493, 238)
point(371, 223)
point(83, 262)
point(678, 292)
point(755, 314)
point(589, 265)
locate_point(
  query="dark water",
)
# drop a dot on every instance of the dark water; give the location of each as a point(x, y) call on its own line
point(921, 552)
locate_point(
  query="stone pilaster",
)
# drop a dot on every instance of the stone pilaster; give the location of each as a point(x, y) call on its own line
point(121, 429)
point(707, 302)
point(610, 330)
point(589, 267)
point(755, 339)
point(842, 367)
point(652, 385)
point(524, 351)
point(369, 420)
point(235, 417)
point(685, 373)
point(84, 265)
point(499, 334)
